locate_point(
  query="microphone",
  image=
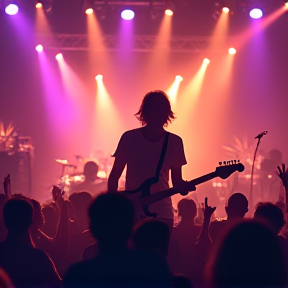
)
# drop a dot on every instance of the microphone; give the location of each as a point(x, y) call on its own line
point(261, 135)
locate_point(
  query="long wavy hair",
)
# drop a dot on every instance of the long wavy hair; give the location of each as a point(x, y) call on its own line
point(148, 101)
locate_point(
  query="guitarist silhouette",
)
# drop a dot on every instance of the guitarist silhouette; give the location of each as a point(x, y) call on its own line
point(148, 159)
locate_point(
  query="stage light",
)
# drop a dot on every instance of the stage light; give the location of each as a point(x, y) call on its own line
point(89, 11)
point(225, 10)
point(127, 14)
point(99, 77)
point(46, 5)
point(38, 5)
point(169, 8)
point(39, 48)
point(206, 61)
point(179, 78)
point(89, 7)
point(256, 13)
point(11, 9)
point(232, 51)
point(286, 5)
point(168, 12)
point(59, 56)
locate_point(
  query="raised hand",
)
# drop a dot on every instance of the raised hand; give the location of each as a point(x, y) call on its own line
point(208, 210)
point(283, 175)
point(7, 186)
point(57, 194)
point(204, 238)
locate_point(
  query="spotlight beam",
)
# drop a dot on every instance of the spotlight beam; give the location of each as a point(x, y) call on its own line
point(245, 36)
point(107, 122)
point(172, 91)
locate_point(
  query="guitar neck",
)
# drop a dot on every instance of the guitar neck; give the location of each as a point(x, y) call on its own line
point(203, 178)
point(155, 197)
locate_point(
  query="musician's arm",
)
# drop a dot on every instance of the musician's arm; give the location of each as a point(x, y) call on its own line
point(116, 172)
point(176, 176)
point(178, 182)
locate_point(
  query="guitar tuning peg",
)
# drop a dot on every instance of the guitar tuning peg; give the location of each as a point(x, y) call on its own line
point(235, 161)
point(231, 162)
point(220, 163)
point(224, 162)
point(238, 161)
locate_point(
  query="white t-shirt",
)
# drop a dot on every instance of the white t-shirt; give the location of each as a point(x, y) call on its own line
point(142, 157)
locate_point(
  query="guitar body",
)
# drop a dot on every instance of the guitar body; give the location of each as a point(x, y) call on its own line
point(141, 209)
point(142, 197)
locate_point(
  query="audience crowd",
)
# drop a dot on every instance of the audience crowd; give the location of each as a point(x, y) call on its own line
point(95, 242)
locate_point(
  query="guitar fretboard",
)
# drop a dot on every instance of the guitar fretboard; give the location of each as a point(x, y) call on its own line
point(155, 197)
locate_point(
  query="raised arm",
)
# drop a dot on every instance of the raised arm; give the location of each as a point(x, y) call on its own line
point(283, 175)
point(61, 239)
point(7, 186)
point(116, 172)
point(204, 237)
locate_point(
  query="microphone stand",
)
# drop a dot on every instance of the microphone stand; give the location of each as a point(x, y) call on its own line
point(251, 204)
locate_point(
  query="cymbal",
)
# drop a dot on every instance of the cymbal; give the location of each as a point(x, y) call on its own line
point(64, 163)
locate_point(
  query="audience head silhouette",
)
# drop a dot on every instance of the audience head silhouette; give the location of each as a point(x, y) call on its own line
point(237, 206)
point(272, 214)
point(18, 215)
point(155, 108)
point(111, 219)
point(25, 265)
point(187, 209)
point(248, 256)
point(111, 216)
point(152, 235)
point(90, 171)
point(80, 202)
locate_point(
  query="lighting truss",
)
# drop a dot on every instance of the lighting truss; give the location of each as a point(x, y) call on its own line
point(142, 43)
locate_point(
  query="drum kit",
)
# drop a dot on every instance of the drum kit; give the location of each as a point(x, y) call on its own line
point(72, 174)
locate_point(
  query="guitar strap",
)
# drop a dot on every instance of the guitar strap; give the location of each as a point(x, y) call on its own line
point(162, 156)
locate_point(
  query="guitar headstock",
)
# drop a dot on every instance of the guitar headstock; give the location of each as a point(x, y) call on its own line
point(227, 168)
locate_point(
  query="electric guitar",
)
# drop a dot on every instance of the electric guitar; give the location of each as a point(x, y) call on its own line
point(146, 198)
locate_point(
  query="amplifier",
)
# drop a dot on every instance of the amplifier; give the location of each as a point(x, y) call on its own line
point(18, 165)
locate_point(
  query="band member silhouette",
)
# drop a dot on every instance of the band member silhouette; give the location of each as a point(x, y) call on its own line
point(140, 149)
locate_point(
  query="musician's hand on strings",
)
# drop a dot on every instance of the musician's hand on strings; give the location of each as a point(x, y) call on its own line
point(190, 187)
point(184, 187)
point(208, 210)
point(283, 175)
